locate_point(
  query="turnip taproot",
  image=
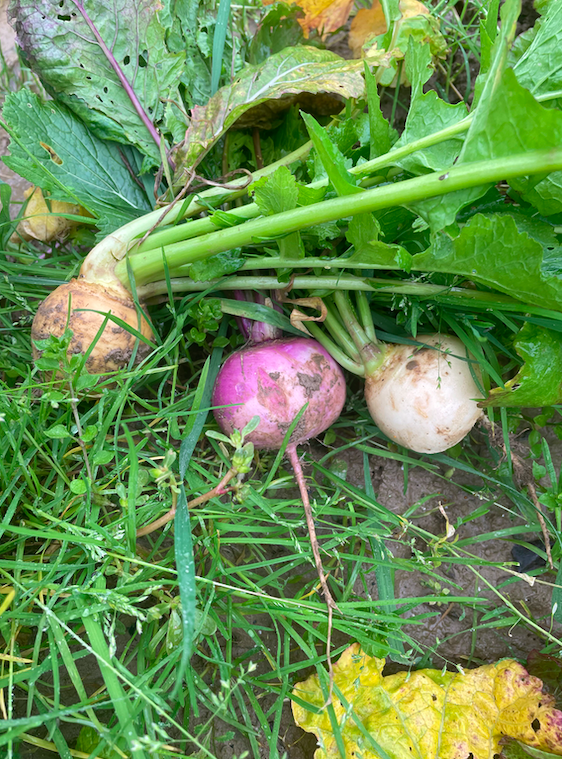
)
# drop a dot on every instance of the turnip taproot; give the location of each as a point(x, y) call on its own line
point(424, 398)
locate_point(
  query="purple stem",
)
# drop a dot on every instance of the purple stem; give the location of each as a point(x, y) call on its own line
point(254, 331)
point(121, 76)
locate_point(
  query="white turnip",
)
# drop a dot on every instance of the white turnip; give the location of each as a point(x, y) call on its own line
point(424, 398)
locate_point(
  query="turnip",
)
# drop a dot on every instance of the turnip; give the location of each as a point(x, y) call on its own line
point(423, 397)
point(274, 379)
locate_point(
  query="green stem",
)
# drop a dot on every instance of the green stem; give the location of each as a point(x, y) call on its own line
point(214, 197)
point(339, 334)
point(365, 315)
point(372, 355)
point(454, 296)
point(149, 267)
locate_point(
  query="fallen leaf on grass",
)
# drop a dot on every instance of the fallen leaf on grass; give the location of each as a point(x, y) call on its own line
point(324, 15)
point(428, 713)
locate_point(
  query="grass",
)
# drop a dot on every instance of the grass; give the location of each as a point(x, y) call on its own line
point(91, 632)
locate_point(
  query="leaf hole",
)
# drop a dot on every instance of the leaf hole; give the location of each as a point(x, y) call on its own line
point(63, 18)
point(126, 60)
point(105, 89)
point(52, 154)
point(89, 78)
point(536, 725)
point(433, 697)
point(143, 59)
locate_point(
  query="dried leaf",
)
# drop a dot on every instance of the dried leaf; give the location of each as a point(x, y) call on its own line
point(41, 222)
point(369, 22)
point(297, 316)
point(428, 713)
point(290, 72)
point(324, 15)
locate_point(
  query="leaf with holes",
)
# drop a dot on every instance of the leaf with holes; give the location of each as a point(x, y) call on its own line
point(428, 713)
point(107, 61)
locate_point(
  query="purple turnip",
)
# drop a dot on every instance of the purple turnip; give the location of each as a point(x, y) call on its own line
point(274, 379)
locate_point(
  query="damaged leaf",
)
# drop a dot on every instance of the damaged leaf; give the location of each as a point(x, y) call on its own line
point(291, 72)
point(428, 713)
point(63, 42)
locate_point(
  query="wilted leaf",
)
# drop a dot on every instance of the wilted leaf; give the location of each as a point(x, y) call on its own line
point(428, 713)
point(291, 72)
point(324, 15)
point(41, 221)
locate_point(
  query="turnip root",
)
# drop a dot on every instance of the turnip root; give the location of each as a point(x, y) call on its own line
point(73, 305)
point(424, 398)
point(97, 289)
point(274, 380)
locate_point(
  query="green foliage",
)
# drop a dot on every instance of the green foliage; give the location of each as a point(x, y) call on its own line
point(54, 150)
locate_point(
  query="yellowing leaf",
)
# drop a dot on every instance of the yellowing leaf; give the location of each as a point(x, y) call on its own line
point(40, 222)
point(368, 22)
point(324, 15)
point(428, 714)
point(290, 72)
point(415, 21)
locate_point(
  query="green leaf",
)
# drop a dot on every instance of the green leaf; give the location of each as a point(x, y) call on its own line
point(289, 72)
point(492, 250)
point(379, 128)
point(62, 48)
point(103, 457)
point(539, 68)
point(499, 128)
point(371, 253)
point(57, 432)
point(52, 149)
point(218, 265)
point(343, 182)
point(428, 114)
point(78, 487)
point(276, 193)
point(278, 29)
point(89, 433)
point(539, 381)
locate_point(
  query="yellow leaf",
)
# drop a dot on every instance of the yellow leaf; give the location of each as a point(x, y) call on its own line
point(428, 713)
point(324, 15)
point(368, 22)
point(40, 221)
